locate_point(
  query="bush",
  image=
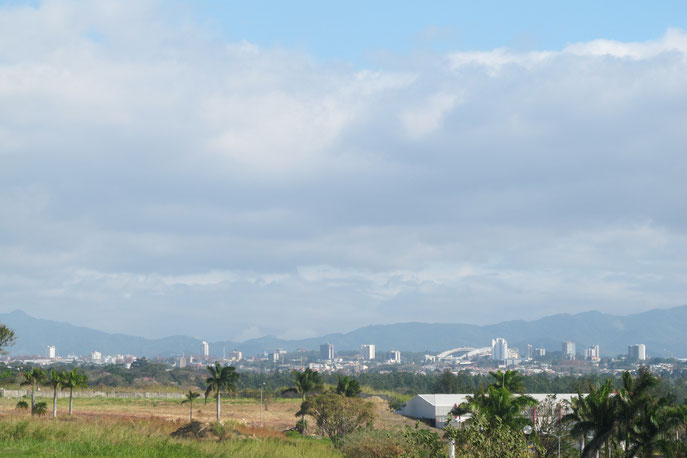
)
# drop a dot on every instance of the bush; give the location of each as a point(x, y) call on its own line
point(371, 443)
point(195, 430)
point(396, 403)
point(302, 425)
point(336, 415)
point(22, 405)
point(482, 438)
point(40, 408)
point(222, 431)
point(410, 443)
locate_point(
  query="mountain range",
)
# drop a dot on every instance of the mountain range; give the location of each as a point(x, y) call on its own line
point(662, 330)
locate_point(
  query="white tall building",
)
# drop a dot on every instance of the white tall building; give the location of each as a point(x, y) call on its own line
point(367, 352)
point(394, 356)
point(327, 351)
point(96, 357)
point(499, 349)
point(568, 349)
point(592, 353)
point(236, 355)
point(50, 352)
point(205, 349)
point(278, 354)
point(637, 351)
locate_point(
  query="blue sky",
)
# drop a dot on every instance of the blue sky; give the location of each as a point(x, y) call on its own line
point(356, 31)
point(227, 173)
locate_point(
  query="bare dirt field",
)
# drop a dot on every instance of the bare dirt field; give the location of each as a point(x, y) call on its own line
point(277, 415)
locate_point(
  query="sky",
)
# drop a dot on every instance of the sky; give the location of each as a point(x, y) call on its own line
point(228, 170)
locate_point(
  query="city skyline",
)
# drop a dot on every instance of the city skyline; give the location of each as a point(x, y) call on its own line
point(204, 169)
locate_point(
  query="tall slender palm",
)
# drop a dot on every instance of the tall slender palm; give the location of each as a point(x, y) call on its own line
point(632, 398)
point(221, 379)
point(74, 379)
point(596, 413)
point(55, 380)
point(306, 382)
point(33, 378)
point(190, 397)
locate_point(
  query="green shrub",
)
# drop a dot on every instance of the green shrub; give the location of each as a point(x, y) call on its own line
point(40, 408)
point(408, 443)
point(22, 405)
point(302, 425)
point(222, 431)
point(371, 443)
point(396, 403)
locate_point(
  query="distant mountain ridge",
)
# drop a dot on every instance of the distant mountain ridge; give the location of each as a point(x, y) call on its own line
point(662, 330)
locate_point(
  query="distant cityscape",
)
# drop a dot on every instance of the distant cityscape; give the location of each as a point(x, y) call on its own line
point(474, 360)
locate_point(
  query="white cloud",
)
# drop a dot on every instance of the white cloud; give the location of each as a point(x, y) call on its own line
point(151, 170)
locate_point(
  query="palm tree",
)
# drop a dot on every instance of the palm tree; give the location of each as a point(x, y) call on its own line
point(33, 378)
point(190, 397)
point(306, 382)
point(498, 404)
point(221, 379)
point(74, 379)
point(632, 398)
point(347, 386)
point(653, 430)
point(55, 380)
point(597, 413)
point(509, 379)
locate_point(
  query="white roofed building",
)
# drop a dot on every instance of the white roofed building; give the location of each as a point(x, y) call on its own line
point(435, 408)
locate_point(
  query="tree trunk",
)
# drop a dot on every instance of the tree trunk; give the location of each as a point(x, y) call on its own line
point(218, 404)
point(71, 392)
point(54, 403)
point(190, 413)
point(33, 400)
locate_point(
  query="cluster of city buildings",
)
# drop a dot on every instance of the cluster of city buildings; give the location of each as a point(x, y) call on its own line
point(501, 352)
point(529, 360)
point(367, 358)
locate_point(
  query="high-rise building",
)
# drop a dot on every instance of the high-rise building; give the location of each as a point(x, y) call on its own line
point(182, 362)
point(568, 349)
point(499, 349)
point(96, 357)
point(50, 352)
point(637, 351)
point(278, 355)
point(530, 351)
point(327, 351)
point(205, 349)
point(394, 356)
point(236, 355)
point(367, 352)
point(592, 353)
point(539, 352)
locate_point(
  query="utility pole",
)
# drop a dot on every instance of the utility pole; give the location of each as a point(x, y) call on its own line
point(262, 387)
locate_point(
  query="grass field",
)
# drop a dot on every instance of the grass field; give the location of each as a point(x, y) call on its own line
point(108, 436)
point(142, 427)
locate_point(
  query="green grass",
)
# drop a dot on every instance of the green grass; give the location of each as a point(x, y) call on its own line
point(45, 437)
point(405, 397)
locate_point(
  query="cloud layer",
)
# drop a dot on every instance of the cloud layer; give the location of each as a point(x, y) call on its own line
point(157, 180)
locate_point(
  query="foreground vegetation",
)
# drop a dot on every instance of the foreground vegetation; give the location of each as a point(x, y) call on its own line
point(107, 437)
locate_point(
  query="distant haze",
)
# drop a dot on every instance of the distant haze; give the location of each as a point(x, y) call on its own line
point(661, 330)
point(158, 177)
